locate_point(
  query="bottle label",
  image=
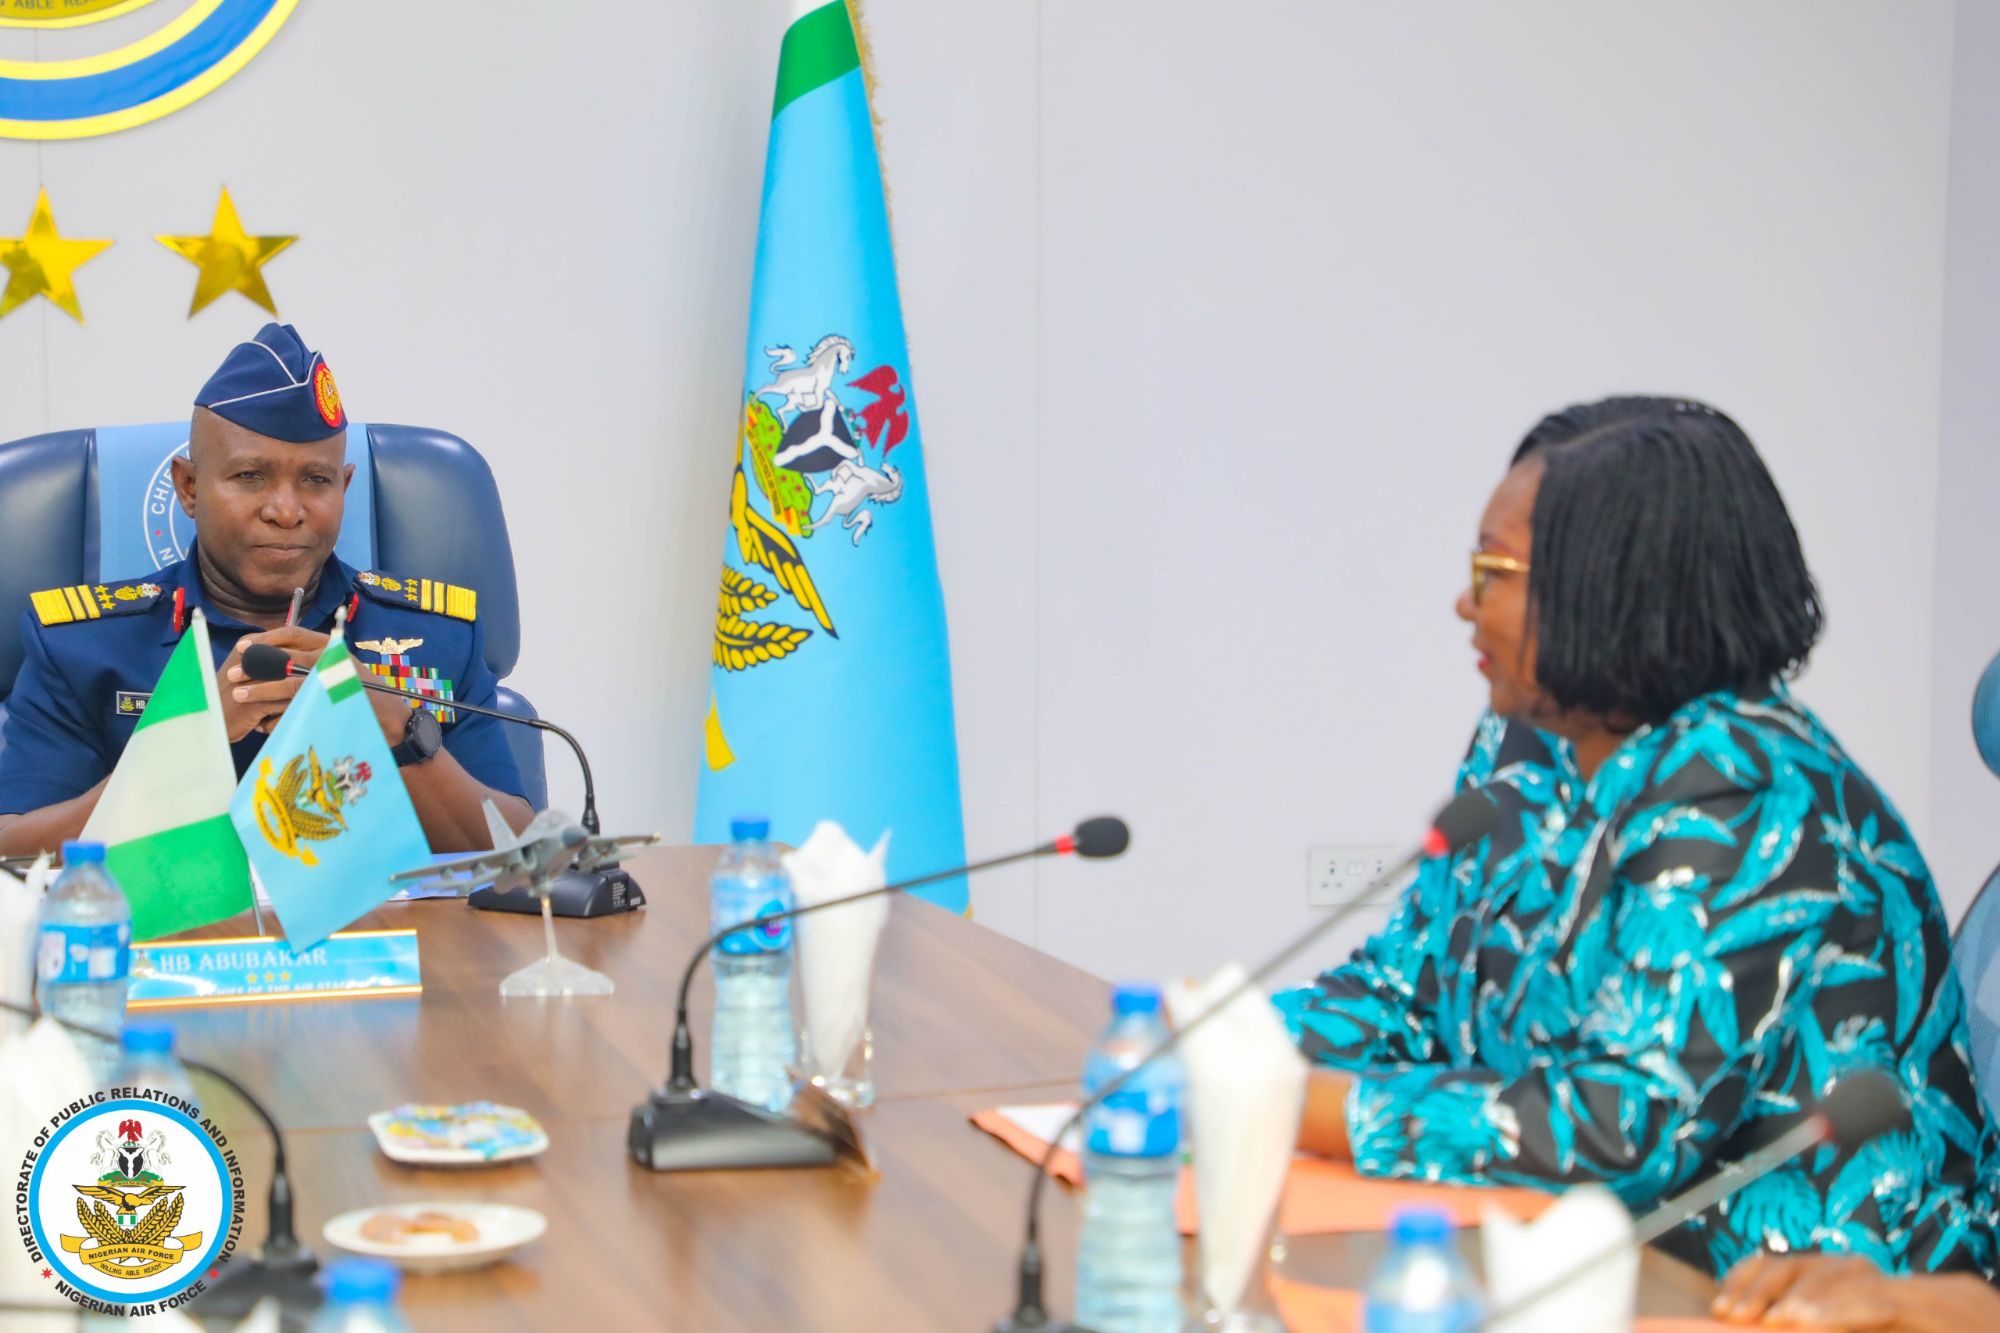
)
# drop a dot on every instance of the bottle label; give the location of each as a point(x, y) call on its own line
point(70, 953)
point(1135, 1122)
point(772, 937)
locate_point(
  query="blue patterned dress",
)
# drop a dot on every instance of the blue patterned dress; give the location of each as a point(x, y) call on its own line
point(1636, 978)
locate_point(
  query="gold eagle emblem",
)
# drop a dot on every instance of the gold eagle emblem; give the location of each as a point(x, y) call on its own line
point(389, 647)
point(305, 802)
point(740, 642)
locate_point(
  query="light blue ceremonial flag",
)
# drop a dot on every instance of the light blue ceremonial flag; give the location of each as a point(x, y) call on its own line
point(832, 680)
point(323, 812)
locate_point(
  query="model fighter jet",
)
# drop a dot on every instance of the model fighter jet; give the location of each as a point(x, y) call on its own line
point(552, 844)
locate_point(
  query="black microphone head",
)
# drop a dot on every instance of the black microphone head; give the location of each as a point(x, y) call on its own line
point(1467, 818)
point(1863, 1105)
point(1106, 835)
point(265, 661)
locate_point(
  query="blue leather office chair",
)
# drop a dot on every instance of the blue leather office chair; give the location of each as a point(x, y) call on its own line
point(85, 506)
point(1975, 946)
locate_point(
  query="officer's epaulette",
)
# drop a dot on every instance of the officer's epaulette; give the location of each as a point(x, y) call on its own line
point(445, 599)
point(93, 601)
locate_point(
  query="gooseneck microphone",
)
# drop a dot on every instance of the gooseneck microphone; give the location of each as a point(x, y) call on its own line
point(685, 1127)
point(1469, 817)
point(583, 893)
point(267, 661)
point(1858, 1107)
point(283, 1268)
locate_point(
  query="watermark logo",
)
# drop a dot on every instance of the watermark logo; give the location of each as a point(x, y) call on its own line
point(129, 1202)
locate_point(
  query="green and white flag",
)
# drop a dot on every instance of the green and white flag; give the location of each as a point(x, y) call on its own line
point(164, 816)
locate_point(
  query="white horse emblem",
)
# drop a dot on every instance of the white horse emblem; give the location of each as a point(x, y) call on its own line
point(850, 485)
point(805, 388)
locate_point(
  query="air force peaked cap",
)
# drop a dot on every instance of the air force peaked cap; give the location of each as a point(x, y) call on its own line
point(274, 385)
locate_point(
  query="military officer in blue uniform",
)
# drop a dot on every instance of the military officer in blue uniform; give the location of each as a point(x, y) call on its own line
point(265, 485)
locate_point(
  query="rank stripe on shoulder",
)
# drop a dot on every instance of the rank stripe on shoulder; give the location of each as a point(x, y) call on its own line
point(60, 606)
point(432, 595)
point(91, 601)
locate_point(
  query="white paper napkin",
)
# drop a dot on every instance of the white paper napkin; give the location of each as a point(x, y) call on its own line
point(836, 948)
point(1246, 1092)
point(43, 1073)
point(20, 904)
point(1523, 1256)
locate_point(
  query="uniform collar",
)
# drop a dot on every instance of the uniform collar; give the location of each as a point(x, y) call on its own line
point(184, 580)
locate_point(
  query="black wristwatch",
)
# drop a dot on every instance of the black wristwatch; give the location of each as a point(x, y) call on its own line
point(422, 738)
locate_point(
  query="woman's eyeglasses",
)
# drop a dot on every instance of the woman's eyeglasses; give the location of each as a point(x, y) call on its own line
point(1485, 564)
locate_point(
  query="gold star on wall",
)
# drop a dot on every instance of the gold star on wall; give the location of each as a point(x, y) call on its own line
point(40, 263)
point(229, 260)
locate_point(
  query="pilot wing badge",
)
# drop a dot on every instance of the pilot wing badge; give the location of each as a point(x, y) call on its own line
point(323, 813)
point(831, 687)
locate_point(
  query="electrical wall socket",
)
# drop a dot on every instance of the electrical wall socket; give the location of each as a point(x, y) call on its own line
point(1336, 874)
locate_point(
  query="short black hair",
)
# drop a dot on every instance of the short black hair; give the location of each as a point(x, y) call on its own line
point(1665, 565)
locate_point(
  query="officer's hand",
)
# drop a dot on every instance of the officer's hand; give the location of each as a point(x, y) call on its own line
point(256, 705)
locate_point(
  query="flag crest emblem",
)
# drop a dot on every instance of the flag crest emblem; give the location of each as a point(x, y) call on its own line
point(832, 669)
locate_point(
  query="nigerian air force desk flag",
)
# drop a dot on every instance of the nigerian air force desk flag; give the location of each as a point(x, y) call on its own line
point(323, 812)
point(832, 678)
point(164, 815)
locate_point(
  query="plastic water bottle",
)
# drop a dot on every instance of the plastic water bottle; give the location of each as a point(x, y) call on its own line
point(1421, 1286)
point(150, 1063)
point(360, 1298)
point(753, 1040)
point(1129, 1260)
point(83, 955)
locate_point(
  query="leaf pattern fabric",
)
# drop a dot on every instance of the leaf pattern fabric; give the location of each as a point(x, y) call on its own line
point(1638, 978)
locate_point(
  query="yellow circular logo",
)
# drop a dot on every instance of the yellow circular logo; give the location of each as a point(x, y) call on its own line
point(187, 57)
point(326, 397)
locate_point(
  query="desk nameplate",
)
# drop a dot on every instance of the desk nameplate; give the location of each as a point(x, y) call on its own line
point(260, 969)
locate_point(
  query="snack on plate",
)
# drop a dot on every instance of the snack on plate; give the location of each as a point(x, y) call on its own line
point(405, 1229)
point(482, 1128)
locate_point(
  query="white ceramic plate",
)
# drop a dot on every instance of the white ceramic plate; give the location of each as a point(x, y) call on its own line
point(416, 1154)
point(503, 1229)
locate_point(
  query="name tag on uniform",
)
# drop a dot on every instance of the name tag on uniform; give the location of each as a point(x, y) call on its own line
point(131, 703)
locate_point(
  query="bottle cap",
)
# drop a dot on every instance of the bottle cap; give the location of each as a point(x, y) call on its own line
point(148, 1039)
point(78, 853)
point(361, 1281)
point(1135, 998)
point(1420, 1226)
point(749, 828)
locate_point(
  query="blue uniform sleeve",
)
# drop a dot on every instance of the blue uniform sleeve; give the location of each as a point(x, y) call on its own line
point(480, 743)
point(51, 752)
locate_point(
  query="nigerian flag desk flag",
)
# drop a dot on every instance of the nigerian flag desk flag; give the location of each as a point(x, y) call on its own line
point(832, 680)
point(164, 815)
point(323, 812)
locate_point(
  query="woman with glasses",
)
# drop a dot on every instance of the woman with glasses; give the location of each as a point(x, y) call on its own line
point(1696, 912)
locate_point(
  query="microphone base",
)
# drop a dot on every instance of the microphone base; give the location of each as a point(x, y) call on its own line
point(605, 892)
point(291, 1279)
point(703, 1130)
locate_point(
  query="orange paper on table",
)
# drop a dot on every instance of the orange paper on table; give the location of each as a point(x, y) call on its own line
point(1320, 1197)
point(1310, 1309)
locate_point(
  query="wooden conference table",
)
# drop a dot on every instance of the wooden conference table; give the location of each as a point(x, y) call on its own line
point(964, 1019)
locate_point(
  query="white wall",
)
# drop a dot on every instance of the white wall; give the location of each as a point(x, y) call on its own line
point(1965, 798)
point(1221, 332)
